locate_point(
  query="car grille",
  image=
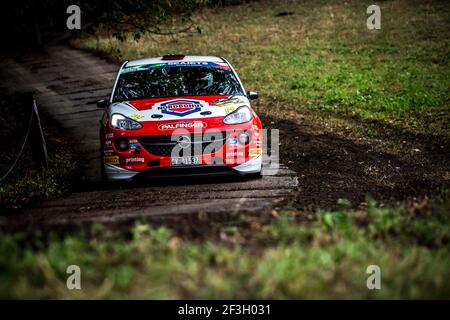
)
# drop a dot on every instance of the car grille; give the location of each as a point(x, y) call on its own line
point(162, 146)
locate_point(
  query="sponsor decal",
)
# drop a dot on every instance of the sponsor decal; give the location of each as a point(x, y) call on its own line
point(197, 64)
point(227, 101)
point(233, 140)
point(188, 63)
point(108, 143)
point(132, 69)
point(156, 65)
point(133, 144)
point(109, 135)
point(182, 125)
point(234, 154)
point(108, 152)
point(180, 107)
point(229, 109)
point(111, 160)
point(253, 152)
point(136, 116)
point(142, 67)
point(134, 160)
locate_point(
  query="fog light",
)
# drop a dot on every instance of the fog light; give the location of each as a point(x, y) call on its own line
point(122, 144)
point(244, 137)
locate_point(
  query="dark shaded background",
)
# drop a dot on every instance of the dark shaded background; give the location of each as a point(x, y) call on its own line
point(30, 23)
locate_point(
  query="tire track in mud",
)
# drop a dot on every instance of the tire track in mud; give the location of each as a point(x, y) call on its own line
point(67, 83)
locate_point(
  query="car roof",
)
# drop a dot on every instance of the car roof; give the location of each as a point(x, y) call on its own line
point(184, 59)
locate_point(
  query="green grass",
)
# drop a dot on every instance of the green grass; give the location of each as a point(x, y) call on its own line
point(282, 259)
point(323, 57)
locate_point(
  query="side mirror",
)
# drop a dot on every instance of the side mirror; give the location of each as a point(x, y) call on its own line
point(102, 103)
point(251, 95)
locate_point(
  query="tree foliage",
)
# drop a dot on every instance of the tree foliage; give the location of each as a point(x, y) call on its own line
point(29, 19)
point(136, 17)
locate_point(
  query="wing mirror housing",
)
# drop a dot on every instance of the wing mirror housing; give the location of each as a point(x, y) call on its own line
point(252, 95)
point(102, 104)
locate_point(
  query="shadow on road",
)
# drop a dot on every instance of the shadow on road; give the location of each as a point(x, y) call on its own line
point(163, 182)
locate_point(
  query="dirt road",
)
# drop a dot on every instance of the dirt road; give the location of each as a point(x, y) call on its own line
point(67, 83)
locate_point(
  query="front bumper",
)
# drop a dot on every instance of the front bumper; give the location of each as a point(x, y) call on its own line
point(149, 154)
point(115, 173)
point(250, 167)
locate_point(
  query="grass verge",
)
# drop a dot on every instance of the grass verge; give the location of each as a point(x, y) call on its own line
point(279, 258)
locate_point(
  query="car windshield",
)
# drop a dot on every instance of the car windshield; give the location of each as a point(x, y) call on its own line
point(169, 80)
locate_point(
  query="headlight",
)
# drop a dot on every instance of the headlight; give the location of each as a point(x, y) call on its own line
point(119, 121)
point(241, 115)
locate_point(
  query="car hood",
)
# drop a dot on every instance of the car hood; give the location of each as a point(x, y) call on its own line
point(178, 108)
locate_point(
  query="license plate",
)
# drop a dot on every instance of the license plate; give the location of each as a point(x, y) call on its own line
point(182, 161)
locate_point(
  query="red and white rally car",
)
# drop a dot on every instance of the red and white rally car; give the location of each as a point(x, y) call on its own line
point(179, 115)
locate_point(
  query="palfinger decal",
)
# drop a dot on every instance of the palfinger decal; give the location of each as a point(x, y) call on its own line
point(182, 125)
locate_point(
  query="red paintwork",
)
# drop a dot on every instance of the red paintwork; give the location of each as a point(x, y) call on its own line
point(151, 128)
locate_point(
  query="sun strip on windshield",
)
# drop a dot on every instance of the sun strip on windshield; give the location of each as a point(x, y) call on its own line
point(144, 67)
